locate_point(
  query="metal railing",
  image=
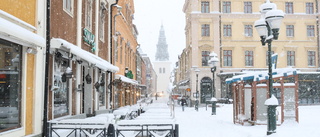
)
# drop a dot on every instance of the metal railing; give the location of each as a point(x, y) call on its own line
point(58, 129)
point(147, 130)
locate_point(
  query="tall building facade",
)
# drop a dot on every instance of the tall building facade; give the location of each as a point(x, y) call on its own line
point(227, 28)
point(162, 65)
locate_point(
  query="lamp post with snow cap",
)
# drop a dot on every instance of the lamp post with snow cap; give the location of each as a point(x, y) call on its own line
point(212, 63)
point(268, 28)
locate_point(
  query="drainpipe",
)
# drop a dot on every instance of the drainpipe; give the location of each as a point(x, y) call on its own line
point(110, 56)
point(78, 66)
point(46, 90)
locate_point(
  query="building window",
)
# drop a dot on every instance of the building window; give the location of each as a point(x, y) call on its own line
point(60, 86)
point(310, 30)
point(249, 58)
point(247, 7)
point(102, 21)
point(205, 58)
point(290, 58)
point(227, 58)
point(248, 30)
point(163, 70)
point(205, 30)
point(227, 30)
point(226, 7)
point(160, 70)
point(101, 90)
point(68, 6)
point(10, 85)
point(289, 7)
point(309, 7)
point(205, 8)
point(267, 59)
point(311, 58)
point(290, 30)
point(88, 14)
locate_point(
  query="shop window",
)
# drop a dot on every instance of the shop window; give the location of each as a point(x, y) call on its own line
point(60, 85)
point(101, 89)
point(10, 85)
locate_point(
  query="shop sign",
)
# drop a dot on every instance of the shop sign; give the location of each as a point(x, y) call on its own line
point(89, 38)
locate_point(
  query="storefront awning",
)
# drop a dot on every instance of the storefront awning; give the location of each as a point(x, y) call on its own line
point(58, 43)
point(15, 33)
point(262, 75)
point(126, 80)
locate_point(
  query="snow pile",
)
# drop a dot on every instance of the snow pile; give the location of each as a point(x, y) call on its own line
point(273, 101)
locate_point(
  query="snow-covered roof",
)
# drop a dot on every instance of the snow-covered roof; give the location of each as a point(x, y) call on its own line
point(85, 55)
point(126, 80)
point(262, 75)
point(16, 33)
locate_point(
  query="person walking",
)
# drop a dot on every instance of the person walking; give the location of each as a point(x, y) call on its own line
point(183, 102)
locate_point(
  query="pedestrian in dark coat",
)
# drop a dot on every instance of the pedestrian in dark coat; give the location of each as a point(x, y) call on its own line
point(183, 102)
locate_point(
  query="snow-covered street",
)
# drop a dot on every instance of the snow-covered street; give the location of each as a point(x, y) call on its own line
point(202, 124)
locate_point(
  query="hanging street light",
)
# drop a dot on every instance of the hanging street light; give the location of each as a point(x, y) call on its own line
point(268, 27)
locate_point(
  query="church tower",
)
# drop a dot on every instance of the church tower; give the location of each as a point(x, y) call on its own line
point(162, 65)
point(162, 47)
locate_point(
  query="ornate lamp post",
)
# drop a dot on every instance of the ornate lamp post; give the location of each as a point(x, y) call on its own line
point(197, 92)
point(268, 28)
point(212, 63)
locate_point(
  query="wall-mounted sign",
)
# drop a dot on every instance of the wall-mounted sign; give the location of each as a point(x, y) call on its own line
point(88, 37)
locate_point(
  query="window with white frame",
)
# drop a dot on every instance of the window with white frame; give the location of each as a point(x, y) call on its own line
point(227, 58)
point(60, 85)
point(247, 7)
point(205, 30)
point(248, 30)
point(249, 58)
point(227, 30)
point(309, 7)
point(102, 90)
point(290, 30)
point(205, 58)
point(68, 6)
point(226, 7)
point(289, 7)
point(205, 7)
point(102, 20)
point(290, 58)
point(310, 30)
point(267, 57)
point(10, 85)
point(311, 58)
point(88, 14)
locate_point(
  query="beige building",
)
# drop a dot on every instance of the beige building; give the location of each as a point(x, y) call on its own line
point(227, 28)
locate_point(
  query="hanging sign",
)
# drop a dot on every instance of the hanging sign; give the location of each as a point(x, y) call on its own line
point(89, 39)
point(274, 59)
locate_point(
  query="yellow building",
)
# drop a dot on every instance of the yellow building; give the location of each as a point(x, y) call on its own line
point(125, 49)
point(227, 28)
point(22, 44)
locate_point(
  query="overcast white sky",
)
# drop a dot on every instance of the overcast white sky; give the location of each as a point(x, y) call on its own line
point(149, 14)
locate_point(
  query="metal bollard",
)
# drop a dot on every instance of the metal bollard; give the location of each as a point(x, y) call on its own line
point(213, 108)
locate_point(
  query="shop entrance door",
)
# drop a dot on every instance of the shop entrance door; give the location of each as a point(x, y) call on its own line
point(206, 89)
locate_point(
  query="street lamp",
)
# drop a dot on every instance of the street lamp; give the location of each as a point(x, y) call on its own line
point(197, 92)
point(212, 63)
point(268, 28)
